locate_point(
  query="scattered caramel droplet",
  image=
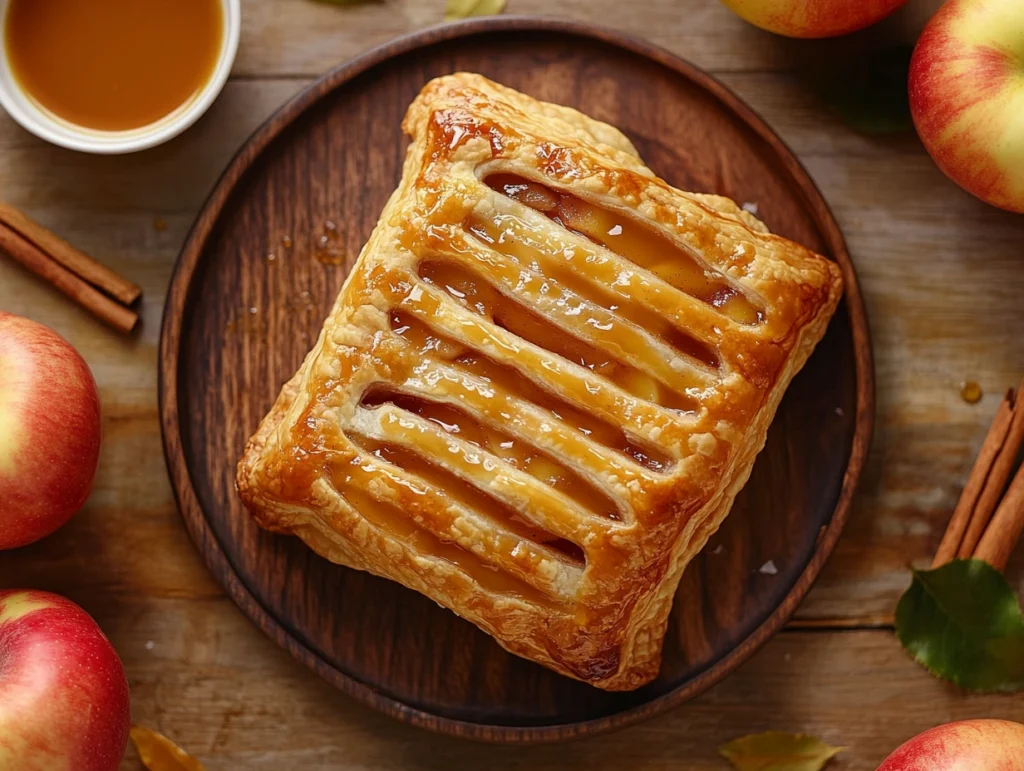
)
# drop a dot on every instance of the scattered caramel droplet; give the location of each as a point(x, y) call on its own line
point(286, 241)
point(160, 224)
point(330, 256)
point(971, 392)
point(328, 249)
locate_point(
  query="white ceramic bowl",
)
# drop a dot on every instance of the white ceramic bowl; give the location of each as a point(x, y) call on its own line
point(51, 128)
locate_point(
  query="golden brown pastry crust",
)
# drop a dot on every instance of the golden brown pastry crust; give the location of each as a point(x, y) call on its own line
point(596, 611)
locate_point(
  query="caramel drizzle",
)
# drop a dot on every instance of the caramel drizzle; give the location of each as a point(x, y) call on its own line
point(510, 236)
point(517, 453)
point(428, 342)
point(474, 293)
point(631, 240)
point(469, 497)
point(396, 523)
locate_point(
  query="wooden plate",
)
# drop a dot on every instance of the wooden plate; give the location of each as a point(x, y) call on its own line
point(262, 266)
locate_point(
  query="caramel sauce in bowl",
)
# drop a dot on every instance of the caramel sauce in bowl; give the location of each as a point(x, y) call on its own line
point(114, 76)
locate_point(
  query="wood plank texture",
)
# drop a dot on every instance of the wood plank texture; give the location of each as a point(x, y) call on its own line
point(942, 276)
point(200, 673)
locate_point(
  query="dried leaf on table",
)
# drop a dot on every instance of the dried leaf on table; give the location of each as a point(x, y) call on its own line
point(964, 624)
point(778, 751)
point(158, 753)
point(460, 9)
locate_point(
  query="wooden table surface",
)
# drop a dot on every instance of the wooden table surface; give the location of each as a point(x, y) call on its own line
point(943, 277)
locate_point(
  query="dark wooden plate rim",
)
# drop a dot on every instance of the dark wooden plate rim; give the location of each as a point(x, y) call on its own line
point(170, 341)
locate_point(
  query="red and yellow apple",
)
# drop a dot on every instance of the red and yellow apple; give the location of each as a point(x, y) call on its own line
point(64, 703)
point(813, 18)
point(967, 97)
point(970, 745)
point(49, 431)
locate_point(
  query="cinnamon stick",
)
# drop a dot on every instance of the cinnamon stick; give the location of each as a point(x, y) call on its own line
point(992, 492)
point(965, 507)
point(79, 263)
point(1006, 527)
point(40, 263)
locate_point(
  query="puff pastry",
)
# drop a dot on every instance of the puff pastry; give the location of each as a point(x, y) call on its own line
point(543, 383)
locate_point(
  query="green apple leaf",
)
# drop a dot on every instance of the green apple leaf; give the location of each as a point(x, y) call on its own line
point(778, 751)
point(963, 623)
point(158, 753)
point(867, 92)
point(461, 9)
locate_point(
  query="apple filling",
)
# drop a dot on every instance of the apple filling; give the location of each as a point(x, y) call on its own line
point(429, 342)
point(397, 524)
point(474, 293)
point(631, 240)
point(512, 450)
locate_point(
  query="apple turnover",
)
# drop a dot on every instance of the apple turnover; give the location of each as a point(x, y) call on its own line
point(543, 384)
